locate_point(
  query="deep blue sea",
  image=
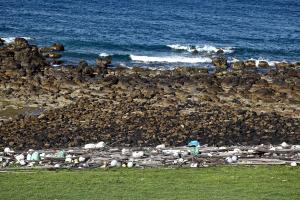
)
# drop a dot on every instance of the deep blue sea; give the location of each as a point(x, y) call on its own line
point(158, 32)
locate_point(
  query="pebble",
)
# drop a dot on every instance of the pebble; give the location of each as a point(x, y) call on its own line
point(293, 164)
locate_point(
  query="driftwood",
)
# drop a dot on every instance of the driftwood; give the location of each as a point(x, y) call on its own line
point(154, 157)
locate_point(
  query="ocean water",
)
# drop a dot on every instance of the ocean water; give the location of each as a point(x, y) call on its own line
point(158, 33)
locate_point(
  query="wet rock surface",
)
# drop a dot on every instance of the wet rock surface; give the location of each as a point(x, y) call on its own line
point(74, 105)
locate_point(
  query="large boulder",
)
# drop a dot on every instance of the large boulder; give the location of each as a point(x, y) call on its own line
point(220, 62)
point(20, 55)
point(57, 47)
point(250, 63)
point(103, 61)
point(283, 65)
point(237, 65)
point(1, 42)
point(263, 64)
point(21, 43)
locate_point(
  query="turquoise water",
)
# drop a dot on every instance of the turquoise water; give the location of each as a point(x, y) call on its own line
point(158, 32)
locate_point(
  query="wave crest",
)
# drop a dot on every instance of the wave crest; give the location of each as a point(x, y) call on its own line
point(205, 48)
point(12, 39)
point(170, 59)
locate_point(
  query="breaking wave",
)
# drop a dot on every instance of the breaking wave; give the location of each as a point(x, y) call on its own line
point(12, 39)
point(205, 48)
point(170, 59)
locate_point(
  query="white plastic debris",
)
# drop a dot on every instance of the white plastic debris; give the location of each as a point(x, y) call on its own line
point(250, 151)
point(8, 150)
point(68, 158)
point(57, 165)
point(272, 149)
point(90, 146)
point(293, 164)
point(28, 157)
point(234, 159)
point(113, 163)
point(176, 154)
point(137, 154)
point(31, 164)
point(236, 150)
point(194, 165)
point(100, 145)
point(228, 160)
point(125, 151)
point(81, 159)
point(1, 159)
point(20, 157)
point(161, 146)
point(35, 156)
point(284, 145)
point(130, 164)
point(279, 148)
point(295, 147)
point(170, 151)
point(104, 165)
point(22, 162)
point(119, 164)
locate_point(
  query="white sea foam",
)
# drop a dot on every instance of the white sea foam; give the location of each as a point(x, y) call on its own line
point(12, 39)
point(271, 63)
point(203, 48)
point(170, 59)
point(104, 54)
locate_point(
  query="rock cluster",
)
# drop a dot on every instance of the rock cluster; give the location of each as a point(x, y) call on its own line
point(79, 104)
point(22, 58)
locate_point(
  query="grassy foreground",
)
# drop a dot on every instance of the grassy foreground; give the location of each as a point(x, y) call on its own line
point(278, 182)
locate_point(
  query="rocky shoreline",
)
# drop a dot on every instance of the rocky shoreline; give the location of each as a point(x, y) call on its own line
point(42, 106)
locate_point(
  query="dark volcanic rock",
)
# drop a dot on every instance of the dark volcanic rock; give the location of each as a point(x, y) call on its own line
point(143, 107)
point(220, 62)
point(1, 42)
point(263, 64)
point(250, 63)
point(21, 56)
point(21, 43)
point(103, 62)
point(57, 47)
point(238, 65)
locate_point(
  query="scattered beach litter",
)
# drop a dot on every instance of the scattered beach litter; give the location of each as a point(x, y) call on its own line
point(193, 155)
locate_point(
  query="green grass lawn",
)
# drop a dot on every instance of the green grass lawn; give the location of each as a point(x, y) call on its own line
point(277, 182)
